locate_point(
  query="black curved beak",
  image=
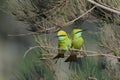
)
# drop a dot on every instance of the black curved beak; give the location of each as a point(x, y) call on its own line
point(84, 30)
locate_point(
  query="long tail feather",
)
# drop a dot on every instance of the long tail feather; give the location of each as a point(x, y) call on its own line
point(71, 58)
point(59, 56)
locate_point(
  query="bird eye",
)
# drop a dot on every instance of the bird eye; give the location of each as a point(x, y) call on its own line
point(61, 37)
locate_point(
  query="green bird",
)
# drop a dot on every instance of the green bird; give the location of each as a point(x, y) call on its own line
point(64, 44)
point(77, 43)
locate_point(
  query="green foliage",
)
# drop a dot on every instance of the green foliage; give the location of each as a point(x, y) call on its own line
point(110, 38)
point(92, 68)
point(3, 5)
point(32, 67)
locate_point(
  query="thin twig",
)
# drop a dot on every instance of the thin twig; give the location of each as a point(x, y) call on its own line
point(25, 34)
point(52, 28)
point(105, 7)
point(70, 22)
point(52, 55)
point(31, 48)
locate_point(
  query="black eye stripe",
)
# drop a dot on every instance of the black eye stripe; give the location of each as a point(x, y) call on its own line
point(61, 35)
point(78, 32)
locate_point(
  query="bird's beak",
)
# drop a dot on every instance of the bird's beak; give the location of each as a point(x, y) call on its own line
point(84, 30)
point(55, 36)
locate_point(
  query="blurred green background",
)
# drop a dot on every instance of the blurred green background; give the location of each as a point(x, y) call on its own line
point(11, 48)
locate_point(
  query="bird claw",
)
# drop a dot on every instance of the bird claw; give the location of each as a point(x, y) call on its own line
point(84, 54)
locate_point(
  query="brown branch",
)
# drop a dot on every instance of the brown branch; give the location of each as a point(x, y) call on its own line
point(104, 7)
point(54, 8)
point(70, 22)
point(52, 28)
point(25, 34)
point(51, 56)
point(79, 54)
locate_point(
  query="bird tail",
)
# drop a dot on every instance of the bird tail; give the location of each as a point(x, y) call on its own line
point(71, 58)
point(118, 59)
point(59, 56)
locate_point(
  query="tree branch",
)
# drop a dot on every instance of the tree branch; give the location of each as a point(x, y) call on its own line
point(70, 22)
point(51, 55)
point(104, 7)
point(52, 28)
point(24, 34)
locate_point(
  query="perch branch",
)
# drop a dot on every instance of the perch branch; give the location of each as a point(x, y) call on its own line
point(104, 7)
point(53, 55)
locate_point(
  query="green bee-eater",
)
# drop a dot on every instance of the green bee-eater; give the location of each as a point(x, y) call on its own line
point(77, 43)
point(64, 43)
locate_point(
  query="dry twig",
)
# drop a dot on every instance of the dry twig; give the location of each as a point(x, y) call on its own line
point(52, 28)
point(70, 22)
point(105, 7)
